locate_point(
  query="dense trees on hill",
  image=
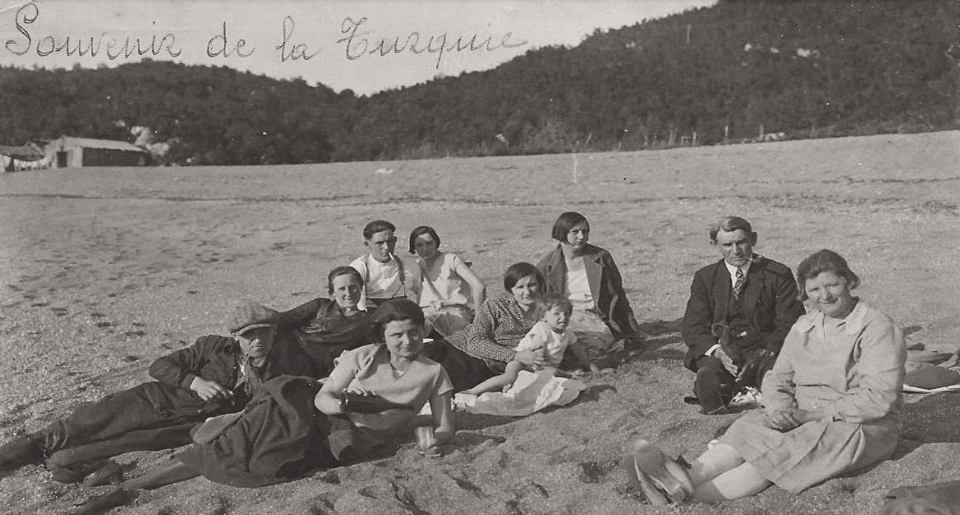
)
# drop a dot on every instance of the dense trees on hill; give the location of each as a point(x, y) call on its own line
point(727, 73)
point(207, 115)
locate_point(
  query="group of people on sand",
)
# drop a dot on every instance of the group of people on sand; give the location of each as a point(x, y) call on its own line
point(348, 372)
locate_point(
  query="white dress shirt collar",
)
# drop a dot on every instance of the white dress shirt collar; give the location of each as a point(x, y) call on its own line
point(733, 271)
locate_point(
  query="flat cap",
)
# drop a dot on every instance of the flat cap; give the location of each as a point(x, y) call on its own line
point(249, 316)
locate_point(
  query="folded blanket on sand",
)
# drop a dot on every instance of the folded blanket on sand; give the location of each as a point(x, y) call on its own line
point(931, 378)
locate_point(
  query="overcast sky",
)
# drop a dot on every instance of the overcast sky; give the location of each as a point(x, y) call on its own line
point(363, 45)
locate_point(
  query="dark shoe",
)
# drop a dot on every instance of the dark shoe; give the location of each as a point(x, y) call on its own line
point(105, 503)
point(665, 474)
point(707, 389)
point(68, 473)
point(111, 472)
point(722, 410)
point(20, 451)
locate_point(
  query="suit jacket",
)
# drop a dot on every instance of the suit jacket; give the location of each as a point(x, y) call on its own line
point(770, 305)
point(217, 358)
point(606, 286)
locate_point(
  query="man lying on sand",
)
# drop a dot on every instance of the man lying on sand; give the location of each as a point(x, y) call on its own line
point(295, 426)
point(215, 375)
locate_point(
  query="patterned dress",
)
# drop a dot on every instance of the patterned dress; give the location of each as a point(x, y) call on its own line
point(497, 329)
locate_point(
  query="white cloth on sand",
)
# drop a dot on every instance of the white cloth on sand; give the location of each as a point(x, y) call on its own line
point(531, 392)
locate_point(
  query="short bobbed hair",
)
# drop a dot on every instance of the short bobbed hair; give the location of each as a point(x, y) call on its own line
point(565, 223)
point(342, 270)
point(518, 271)
point(377, 226)
point(553, 299)
point(730, 224)
point(396, 310)
point(824, 261)
point(423, 229)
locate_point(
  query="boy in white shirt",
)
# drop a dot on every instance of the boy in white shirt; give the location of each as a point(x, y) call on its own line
point(385, 275)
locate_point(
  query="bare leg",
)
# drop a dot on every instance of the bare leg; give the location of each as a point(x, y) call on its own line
point(721, 474)
point(742, 481)
point(497, 383)
point(126, 492)
point(721, 458)
point(173, 472)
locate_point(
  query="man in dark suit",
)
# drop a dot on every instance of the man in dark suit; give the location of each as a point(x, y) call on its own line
point(740, 310)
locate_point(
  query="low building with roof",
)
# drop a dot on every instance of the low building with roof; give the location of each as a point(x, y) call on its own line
point(30, 156)
point(71, 152)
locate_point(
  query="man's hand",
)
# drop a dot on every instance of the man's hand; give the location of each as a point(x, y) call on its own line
point(764, 353)
point(727, 361)
point(209, 390)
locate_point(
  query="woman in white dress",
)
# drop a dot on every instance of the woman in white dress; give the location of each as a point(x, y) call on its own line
point(832, 402)
point(450, 290)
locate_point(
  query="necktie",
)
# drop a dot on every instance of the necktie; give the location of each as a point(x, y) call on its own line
point(738, 286)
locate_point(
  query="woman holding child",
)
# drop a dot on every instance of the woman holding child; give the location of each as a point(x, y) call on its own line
point(449, 286)
point(483, 349)
point(548, 337)
point(832, 403)
point(591, 280)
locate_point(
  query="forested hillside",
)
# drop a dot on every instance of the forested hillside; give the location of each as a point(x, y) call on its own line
point(736, 71)
point(207, 115)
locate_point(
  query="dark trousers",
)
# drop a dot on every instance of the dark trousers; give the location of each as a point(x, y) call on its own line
point(343, 438)
point(148, 406)
point(465, 371)
point(715, 385)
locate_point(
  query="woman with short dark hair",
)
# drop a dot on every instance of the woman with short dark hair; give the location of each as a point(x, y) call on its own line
point(324, 328)
point(450, 291)
point(589, 277)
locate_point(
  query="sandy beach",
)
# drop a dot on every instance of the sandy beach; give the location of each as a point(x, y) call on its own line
point(103, 270)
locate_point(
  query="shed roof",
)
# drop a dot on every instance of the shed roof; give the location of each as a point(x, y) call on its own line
point(99, 143)
point(23, 153)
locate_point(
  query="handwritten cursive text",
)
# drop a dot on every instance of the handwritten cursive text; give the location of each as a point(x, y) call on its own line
point(357, 44)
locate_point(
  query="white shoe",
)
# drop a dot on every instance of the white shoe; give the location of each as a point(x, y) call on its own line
point(666, 475)
point(462, 401)
point(749, 396)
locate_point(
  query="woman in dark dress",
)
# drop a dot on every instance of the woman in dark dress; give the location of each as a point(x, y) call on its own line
point(325, 328)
